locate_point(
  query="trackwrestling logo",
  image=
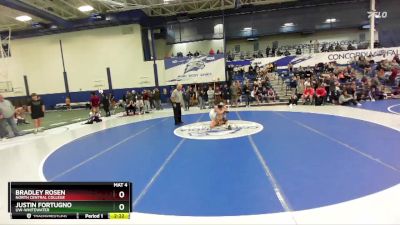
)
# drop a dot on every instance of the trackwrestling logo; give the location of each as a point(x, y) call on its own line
point(202, 130)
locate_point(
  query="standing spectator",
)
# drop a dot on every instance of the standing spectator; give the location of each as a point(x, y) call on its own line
point(157, 99)
point(201, 98)
point(146, 101)
point(234, 93)
point(226, 94)
point(186, 99)
point(36, 108)
point(106, 103)
point(177, 99)
point(217, 95)
point(94, 108)
point(68, 103)
point(246, 91)
point(7, 117)
point(210, 94)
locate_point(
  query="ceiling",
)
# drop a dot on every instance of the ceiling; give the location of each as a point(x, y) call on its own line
point(62, 12)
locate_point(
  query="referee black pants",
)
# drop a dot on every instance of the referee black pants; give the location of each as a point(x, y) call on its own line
point(177, 113)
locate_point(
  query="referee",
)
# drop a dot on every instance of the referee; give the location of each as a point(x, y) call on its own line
point(177, 99)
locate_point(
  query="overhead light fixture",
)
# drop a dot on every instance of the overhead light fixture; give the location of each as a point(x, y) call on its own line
point(85, 8)
point(288, 24)
point(330, 20)
point(247, 28)
point(23, 18)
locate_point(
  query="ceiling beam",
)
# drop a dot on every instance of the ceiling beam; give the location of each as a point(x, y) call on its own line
point(24, 7)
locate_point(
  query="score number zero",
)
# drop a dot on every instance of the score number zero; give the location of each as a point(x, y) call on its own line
point(121, 194)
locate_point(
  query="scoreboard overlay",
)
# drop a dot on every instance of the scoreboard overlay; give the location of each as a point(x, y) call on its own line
point(69, 200)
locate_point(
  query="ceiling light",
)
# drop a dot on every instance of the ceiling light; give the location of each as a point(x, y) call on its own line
point(247, 28)
point(23, 18)
point(85, 8)
point(330, 20)
point(288, 24)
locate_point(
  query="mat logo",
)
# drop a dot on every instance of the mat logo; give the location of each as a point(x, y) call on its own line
point(194, 66)
point(202, 130)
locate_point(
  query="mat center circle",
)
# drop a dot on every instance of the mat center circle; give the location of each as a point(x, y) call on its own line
point(234, 129)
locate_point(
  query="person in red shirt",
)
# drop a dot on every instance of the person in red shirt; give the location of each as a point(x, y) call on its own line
point(211, 52)
point(320, 95)
point(94, 108)
point(308, 94)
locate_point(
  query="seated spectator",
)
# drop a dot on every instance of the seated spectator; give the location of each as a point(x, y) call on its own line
point(393, 76)
point(350, 47)
point(189, 54)
point(19, 115)
point(196, 53)
point(320, 95)
point(271, 94)
point(346, 99)
point(211, 52)
point(308, 94)
point(298, 51)
point(331, 48)
point(397, 59)
point(287, 53)
point(396, 92)
point(377, 93)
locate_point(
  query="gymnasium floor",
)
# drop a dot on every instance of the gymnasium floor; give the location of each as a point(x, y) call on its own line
point(304, 165)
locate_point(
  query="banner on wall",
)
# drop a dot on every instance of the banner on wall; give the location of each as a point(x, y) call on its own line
point(189, 70)
point(343, 58)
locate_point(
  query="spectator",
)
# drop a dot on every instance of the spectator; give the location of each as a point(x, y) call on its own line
point(217, 95)
point(157, 99)
point(68, 103)
point(211, 52)
point(146, 101)
point(186, 99)
point(396, 92)
point(176, 100)
point(19, 115)
point(346, 99)
point(320, 95)
point(140, 104)
point(130, 103)
point(298, 50)
point(234, 93)
point(36, 108)
point(246, 91)
point(210, 94)
point(308, 94)
point(201, 98)
point(7, 118)
point(267, 51)
point(106, 103)
point(293, 99)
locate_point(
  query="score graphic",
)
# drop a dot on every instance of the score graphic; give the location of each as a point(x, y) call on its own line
point(66, 200)
point(377, 15)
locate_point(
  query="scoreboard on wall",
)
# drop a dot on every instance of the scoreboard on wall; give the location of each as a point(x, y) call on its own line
point(69, 200)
